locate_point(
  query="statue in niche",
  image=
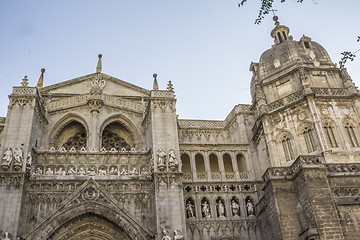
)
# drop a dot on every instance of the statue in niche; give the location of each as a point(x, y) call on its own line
point(113, 171)
point(134, 171)
point(91, 171)
point(206, 209)
point(60, 171)
point(102, 172)
point(71, 171)
point(29, 160)
point(177, 235)
point(82, 171)
point(190, 209)
point(235, 207)
point(221, 208)
point(49, 171)
point(250, 208)
point(161, 157)
point(172, 158)
point(165, 235)
point(123, 172)
point(18, 156)
point(7, 157)
point(38, 171)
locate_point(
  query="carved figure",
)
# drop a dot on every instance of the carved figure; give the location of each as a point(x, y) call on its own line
point(82, 171)
point(221, 208)
point(123, 172)
point(102, 172)
point(29, 160)
point(71, 171)
point(250, 208)
point(18, 156)
point(235, 208)
point(177, 235)
point(165, 235)
point(60, 171)
point(206, 209)
point(190, 209)
point(49, 171)
point(172, 158)
point(38, 171)
point(134, 171)
point(91, 171)
point(113, 171)
point(7, 157)
point(161, 157)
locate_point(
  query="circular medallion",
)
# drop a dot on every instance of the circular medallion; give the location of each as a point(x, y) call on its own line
point(90, 193)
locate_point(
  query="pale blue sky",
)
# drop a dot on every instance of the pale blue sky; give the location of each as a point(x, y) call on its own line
point(204, 47)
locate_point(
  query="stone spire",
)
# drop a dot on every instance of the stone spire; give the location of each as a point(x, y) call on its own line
point(99, 65)
point(40, 83)
point(155, 84)
point(25, 81)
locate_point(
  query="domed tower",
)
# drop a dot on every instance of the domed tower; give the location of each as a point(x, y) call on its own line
point(306, 136)
point(294, 87)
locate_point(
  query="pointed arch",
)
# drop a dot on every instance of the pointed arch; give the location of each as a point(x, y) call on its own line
point(64, 122)
point(64, 216)
point(130, 130)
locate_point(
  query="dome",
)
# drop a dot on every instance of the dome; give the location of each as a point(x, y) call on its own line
point(286, 53)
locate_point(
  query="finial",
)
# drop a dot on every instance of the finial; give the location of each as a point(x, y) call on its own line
point(40, 83)
point(99, 65)
point(155, 85)
point(276, 18)
point(170, 87)
point(25, 82)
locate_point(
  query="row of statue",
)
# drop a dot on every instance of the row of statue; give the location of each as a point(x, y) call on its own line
point(83, 149)
point(161, 162)
point(15, 157)
point(177, 235)
point(91, 171)
point(220, 207)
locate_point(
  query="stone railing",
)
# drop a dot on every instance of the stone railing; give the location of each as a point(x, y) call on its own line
point(244, 175)
point(162, 94)
point(187, 176)
point(286, 100)
point(330, 91)
point(343, 169)
point(201, 176)
point(83, 99)
point(24, 90)
point(230, 176)
point(200, 124)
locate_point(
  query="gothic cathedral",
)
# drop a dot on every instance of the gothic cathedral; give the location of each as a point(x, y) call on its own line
point(98, 158)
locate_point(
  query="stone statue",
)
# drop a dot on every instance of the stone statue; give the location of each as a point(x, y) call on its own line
point(177, 235)
point(221, 208)
point(123, 172)
point(165, 235)
point(190, 209)
point(60, 171)
point(172, 158)
point(134, 171)
point(38, 171)
point(28, 161)
point(161, 157)
point(7, 157)
point(235, 208)
point(91, 171)
point(102, 172)
point(18, 156)
point(71, 171)
point(206, 209)
point(113, 171)
point(49, 171)
point(250, 208)
point(6, 236)
point(82, 171)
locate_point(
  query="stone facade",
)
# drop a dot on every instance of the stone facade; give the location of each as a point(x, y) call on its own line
point(98, 158)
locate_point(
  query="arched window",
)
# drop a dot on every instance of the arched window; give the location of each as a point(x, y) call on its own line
point(185, 159)
point(288, 149)
point(200, 165)
point(309, 139)
point(72, 136)
point(241, 163)
point(351, 134)
point(214, 165)
point(329, 132)
point(117, 136)
point(228, 163)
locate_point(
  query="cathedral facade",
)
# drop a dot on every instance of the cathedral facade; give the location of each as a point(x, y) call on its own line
point(98, 158)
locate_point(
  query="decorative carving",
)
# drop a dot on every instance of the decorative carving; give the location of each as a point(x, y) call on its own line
point(173, 163)
point(161, 159)
point(205, 208)
point(235, 208)
point(177, 235)
point(90, 193)
point(190, 209)
point(7, 159)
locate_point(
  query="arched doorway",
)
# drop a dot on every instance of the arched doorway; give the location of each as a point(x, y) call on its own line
point(89, 226)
